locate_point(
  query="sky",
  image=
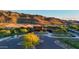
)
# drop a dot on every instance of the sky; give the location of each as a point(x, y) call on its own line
point(63, 14)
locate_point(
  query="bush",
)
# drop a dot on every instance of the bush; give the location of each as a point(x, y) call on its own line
point(30, 40)
point(76, 27)
point(4, 33)
point(27, 44)
point(18, 31)
point(23, 30)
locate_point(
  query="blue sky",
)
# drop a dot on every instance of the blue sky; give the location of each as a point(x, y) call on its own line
point(69, 14)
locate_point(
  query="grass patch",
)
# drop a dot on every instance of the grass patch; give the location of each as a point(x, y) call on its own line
point(72, 42)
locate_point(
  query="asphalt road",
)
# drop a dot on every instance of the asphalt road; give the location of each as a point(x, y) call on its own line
point(74, 31)
point(49, 43)
point(12, 43)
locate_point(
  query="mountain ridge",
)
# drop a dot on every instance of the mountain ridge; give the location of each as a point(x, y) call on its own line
point(9, 17)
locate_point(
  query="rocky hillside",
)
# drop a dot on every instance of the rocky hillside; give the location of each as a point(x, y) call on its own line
point(21, 18)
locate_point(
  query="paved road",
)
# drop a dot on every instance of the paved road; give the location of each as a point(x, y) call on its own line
point(75, 32)
point(49, 43)
point(12, 43)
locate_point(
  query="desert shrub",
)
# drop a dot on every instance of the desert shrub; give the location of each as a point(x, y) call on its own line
point(4, 33)
point(17, 31)
point(30, 40)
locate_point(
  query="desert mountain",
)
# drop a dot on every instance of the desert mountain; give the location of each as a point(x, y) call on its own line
point(21, 18)
point(15, 19)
